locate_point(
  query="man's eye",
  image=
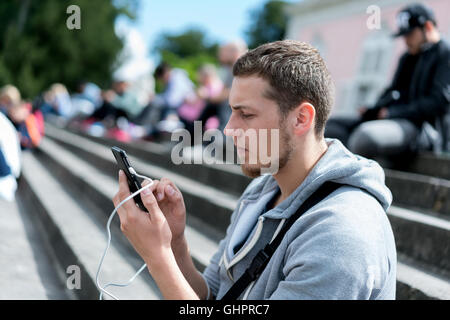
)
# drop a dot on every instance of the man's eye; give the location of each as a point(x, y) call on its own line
point(246, 116)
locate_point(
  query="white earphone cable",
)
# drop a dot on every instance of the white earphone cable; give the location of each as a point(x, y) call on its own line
point(108, 230)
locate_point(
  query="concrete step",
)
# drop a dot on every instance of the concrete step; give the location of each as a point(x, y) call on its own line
point(423, 237)
point(416, 282)
point(409, 189)
point(27, 270)
point(96, 190)
point(431, 165)
point(200, 199)
point(77, 239)
point(426, 192)
point(92, 151)
point(227, 177)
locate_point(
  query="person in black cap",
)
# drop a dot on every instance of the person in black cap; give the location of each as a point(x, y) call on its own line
point(409, 115)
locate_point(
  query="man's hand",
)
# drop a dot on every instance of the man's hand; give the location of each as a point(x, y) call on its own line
point(170, 201)
point(151, 236)
point(149, 233)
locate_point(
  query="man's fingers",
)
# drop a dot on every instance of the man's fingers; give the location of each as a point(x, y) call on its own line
point(150, 202)
point(166, 188)
point(172, 192)
point(123, 183)
point(121, 211)
point(153, 182)
point(160, 189)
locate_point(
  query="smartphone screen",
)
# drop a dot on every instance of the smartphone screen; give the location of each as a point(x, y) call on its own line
point(133, 182)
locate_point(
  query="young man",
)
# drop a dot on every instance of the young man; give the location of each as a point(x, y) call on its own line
point(419, 94)
point(342, 248)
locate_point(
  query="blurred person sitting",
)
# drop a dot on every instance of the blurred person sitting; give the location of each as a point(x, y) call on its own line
point(118, 102)
point(86, 99)
point(405, 118)
point(27, 125)
point(177, 88)
point(9, 96)
point(10, 164)
point(211, 86)
point(57, 102)
point(125, 100)
point(228, 54)
point(92, 92)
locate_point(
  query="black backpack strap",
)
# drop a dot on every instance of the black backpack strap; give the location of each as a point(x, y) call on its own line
point(263, 256)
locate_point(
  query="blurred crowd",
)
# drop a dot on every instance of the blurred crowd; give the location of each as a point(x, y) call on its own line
point(118, 112)
point(411, 115)
point(127, 111)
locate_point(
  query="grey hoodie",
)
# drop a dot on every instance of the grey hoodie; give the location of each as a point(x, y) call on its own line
point(342, 248)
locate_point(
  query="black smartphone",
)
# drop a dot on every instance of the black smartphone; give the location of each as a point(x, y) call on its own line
point(133, 182)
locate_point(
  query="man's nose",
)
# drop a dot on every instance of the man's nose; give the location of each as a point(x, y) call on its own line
point(230, 127)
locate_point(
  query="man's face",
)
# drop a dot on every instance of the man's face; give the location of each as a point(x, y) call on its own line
point(258, 130)
point(414, 40)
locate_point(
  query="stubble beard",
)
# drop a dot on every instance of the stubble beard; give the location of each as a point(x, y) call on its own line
point(286, 151)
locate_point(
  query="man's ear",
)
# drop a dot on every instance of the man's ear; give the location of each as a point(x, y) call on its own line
point(303, 117)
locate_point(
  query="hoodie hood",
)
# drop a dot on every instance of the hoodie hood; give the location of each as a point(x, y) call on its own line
point(339, 165)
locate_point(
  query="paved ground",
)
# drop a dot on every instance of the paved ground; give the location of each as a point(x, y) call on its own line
point(26, 272)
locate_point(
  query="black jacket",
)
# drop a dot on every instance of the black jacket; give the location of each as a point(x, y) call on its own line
point(428, 94)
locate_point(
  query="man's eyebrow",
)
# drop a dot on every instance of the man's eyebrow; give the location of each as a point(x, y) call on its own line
point(240, 107)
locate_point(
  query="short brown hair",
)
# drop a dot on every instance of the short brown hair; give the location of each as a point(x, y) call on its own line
point(296, 73)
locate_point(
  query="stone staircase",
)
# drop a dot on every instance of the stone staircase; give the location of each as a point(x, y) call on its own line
point(68, 183)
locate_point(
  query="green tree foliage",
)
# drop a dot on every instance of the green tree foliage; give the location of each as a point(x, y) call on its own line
point(37, 49)
point(190, 43)
point(187, 50)
point(268, 24)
